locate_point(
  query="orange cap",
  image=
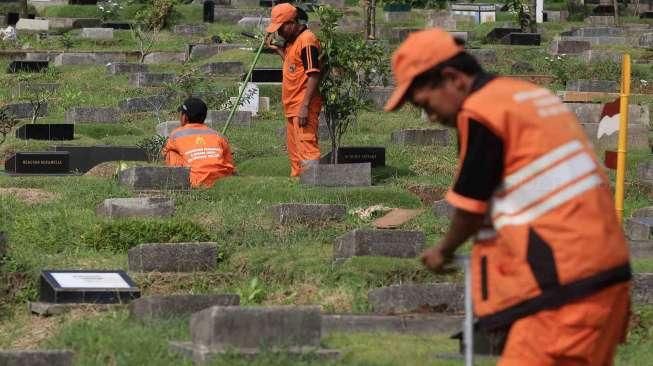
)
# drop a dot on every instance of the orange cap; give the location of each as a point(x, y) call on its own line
point(420, 52)
point(281, 13)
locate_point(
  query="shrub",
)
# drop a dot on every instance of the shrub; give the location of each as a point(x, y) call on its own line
point(120, 235)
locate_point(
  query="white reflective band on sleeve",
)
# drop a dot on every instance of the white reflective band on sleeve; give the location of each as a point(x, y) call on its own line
point(531, 94)
point(554, 201)
point(541, 163)
point(486, 234)
point(547, 101)
point(544, 184)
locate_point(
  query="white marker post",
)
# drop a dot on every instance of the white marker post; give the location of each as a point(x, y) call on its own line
point(539, 11)
point(468, 327)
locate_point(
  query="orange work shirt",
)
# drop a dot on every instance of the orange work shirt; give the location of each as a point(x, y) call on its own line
point(300, 59)
point(201, 148)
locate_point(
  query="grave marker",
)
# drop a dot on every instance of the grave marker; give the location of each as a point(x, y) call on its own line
point(481, 13)
point(155, 177)
point(382, 243)
point(45, 163)
point(639, 228)
point(118, 25)
point(605, 86)
point(87, 286)
point(165, 58)
point(25, 110)
point(190, 29)
point(27, 66)
point(337, 175)
point(116, 68)
point(411, 298)
point(148, 79)
point(93, 115)
point(227, 68)
point(173, 257)
point(115, 208)
point(85, 158)
point(144, 104)
point(36, 358)
point(98, 34)
point(438, 137)
point(522, 39)
point(566, 47)
point(356, 154)
point(48, 132)
point(32, 25)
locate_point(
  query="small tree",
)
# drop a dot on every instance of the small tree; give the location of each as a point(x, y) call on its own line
point(521, 10)
point(145, 39)
point(349, 65)
point(7, 123)
point(38, 90)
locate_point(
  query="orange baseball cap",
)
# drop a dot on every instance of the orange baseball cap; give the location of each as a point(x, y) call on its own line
point(420, 52)
point(281, 13)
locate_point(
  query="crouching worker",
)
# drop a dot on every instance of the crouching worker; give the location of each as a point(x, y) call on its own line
point(197, 146)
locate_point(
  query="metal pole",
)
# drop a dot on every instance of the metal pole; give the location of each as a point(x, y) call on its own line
point(623, 137)
point(468, 325)
point(242, 90)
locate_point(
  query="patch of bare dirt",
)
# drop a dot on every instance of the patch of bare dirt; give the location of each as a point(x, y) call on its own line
point(427, 194)
point(105, 170)
point(31, 196)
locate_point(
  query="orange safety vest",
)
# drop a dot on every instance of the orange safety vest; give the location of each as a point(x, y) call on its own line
point(201, 148)
point(553, 235)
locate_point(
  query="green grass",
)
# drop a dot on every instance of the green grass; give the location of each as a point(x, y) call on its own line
point(293, 264)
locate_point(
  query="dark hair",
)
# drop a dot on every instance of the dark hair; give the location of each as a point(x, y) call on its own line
point(195, 109)
point(463, 62)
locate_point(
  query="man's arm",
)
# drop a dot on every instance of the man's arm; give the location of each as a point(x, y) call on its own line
point(171, 155)
point(463, 225)
point(311, 89)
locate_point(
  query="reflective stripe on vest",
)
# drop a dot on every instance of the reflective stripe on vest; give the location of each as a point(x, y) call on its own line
point(192, 132)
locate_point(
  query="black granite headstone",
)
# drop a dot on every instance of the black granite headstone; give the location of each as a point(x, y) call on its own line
point(499, 33)
point(646, 15)
point(266, 3)
point(209, 11)
point(117, 25)
point(84, 158)
point(51, 132)
point(89, 286)
point(356, 154)
point(522, 39)
point(267, 75)
point(26, 66)
point(12, 18)
point(45, 162)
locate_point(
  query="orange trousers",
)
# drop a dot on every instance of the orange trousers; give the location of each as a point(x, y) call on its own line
point(302, 142)
point(585, 332)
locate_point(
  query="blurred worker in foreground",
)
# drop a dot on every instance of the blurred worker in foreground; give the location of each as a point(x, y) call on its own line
point(549, 259)
point(195, 145)
point(301, 75)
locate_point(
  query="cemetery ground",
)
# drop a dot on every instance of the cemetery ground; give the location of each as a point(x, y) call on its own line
point(53, 225)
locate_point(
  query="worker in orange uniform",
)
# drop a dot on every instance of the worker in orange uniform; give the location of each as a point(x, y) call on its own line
point(197, 146)
point(301, 75)
point(549, 261)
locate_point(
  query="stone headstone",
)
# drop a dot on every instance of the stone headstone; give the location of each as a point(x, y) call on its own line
point(249, 100)
point(606, 86)
point(418, 298)
point(418, 324)
point(646, 40)
point(190, 29)
point(379, 95)
point(337, 175)
point(267, 75)
point(555, 16)
point(357, 154)
point(439, 137)
point(444, 20)
point(522, 39)
point(639, 228)
point(643, 212)
point(227, 68)
point(85, 158)
point(116, 68)
point(233, 15)
point(25, 110)
point(208, 11)
point(565, 47)
point(598, 41)
point(93, 115)
point(88, 58)
point(487, 57)
point(381, 243)
point(597, 20)
point(642, 292)
point(146, 79)
point(216, 119)
point(144, 104)
point(251, 327)
point(26, 88)
point(86, 286)
point(173, 257)
point(27, 66)
point(98, 34)
point(47, 162)
point(47, 132)
point(287, 213)
point(36, 358)
point(442, 208)
point(645, 173)
point(591, 113)
point(498, 33)
point(165, 58)
point(201, 51)
point(156, 307)
point(32, 25)
point(254, 23)
point(397, 16)
point(590, 56)
point(115, 208)
point(118, 25)
point(397, 34)
point(155, 177)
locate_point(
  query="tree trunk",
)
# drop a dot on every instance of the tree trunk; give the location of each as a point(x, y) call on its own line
point(616, 12)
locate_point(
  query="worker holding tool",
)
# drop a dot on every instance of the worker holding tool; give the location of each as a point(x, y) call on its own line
point(549, 261)
point(195, 145)
point(301, 75)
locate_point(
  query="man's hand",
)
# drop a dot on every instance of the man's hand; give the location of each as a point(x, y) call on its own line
point(303, 116)
point(435, 259)
point(269, 38)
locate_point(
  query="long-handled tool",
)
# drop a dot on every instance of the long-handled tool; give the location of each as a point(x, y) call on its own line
point(468, 325)
point(247, 78)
